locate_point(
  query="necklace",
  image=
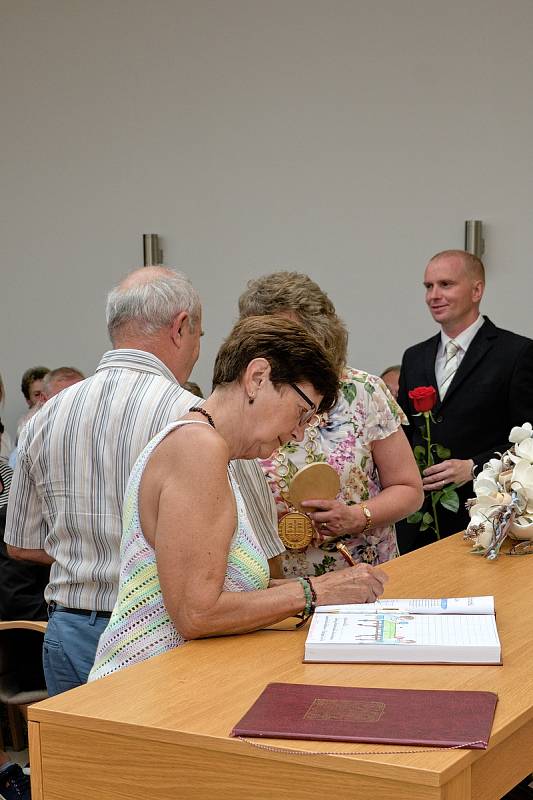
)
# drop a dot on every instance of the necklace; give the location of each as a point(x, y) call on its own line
point(285, 472)
point(200, 410)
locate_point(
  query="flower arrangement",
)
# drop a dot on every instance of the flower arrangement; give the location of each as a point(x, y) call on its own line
point(503, 502)
point(424, 399)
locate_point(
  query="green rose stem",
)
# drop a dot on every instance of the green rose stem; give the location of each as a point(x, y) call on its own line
point(430, 464)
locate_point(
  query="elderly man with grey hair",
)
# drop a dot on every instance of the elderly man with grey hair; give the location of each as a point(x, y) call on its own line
point(76, 455)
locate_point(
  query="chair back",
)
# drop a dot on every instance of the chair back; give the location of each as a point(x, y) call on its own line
point(21, 667)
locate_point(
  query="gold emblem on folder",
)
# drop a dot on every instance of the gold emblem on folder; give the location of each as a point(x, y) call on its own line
point(345, 710)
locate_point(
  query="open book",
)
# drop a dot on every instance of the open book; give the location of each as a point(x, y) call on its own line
point(458, 630)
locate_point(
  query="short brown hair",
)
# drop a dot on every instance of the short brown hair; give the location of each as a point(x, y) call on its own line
point(32, 374)
point(394, 368)
point(193, 388)
point(293, 354)
point(473, 264)
point(294, 291)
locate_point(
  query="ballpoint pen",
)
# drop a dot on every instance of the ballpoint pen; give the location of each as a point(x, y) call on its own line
point(345, 553)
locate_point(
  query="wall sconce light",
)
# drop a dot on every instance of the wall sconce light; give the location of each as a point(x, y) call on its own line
point(152, 250)
point(474, 241)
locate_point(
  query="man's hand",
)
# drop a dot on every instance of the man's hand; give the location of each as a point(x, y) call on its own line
point(453, 470)
point(24, 554)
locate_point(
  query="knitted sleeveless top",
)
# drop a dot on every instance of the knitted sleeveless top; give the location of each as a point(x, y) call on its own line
point(140, 626)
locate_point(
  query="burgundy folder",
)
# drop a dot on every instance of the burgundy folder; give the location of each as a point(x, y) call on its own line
point(383, 716)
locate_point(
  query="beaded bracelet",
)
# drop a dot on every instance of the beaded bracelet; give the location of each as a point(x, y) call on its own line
point(310, 600)
point(304, 583)
point(307, 579)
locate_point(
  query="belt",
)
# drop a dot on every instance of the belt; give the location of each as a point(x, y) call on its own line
point(53, 607)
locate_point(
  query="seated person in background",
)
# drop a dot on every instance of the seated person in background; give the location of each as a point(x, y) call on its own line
point(391, 379)
point(21, 597)
point(6, 473)
point(191, 565)
point(53, 382)
point(14, 784)
point(58, 379)
point(32, 388)
point(193, 388)
point(361, 437)
point(22, 583)
point(6, 446)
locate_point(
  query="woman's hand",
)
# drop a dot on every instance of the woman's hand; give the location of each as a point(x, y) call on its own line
point(334, 517)
point(359, 584)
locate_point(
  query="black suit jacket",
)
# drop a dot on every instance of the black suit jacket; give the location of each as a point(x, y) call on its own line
point(490, 393)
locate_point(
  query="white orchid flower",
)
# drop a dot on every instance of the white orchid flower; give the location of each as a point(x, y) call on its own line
point(484, 538)
point(522, 483)
point(521, 528)
point(475, 516)
point(487, 506)
point(524, 449)
point(518, 434)
point(495, 465)
point(485, 485)
point(489, 472)
point(483, 532)
point(505, 478)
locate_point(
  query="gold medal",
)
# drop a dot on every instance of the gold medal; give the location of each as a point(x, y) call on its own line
point(295, 530)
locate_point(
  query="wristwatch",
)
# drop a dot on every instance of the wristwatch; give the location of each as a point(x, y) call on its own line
point(368, 516)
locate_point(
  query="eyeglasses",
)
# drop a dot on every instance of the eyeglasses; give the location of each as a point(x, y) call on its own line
point(305, 416)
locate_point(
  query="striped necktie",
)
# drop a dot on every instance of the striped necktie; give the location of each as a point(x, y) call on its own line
point(450, 367)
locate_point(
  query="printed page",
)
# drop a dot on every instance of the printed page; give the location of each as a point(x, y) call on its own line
point(443, 605)
point(403, 629)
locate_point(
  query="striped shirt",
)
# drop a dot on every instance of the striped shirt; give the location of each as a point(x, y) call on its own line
point(74, 460)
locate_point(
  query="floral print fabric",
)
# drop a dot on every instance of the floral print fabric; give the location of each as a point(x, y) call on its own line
point(365, 412)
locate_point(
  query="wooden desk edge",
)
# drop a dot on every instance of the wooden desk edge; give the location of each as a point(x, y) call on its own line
point(368, 764)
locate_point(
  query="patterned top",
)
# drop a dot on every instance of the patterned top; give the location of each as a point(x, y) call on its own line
point(75, 458)
point(140, 626)
point(6, 445)
point(6, 473)
point(364, 413)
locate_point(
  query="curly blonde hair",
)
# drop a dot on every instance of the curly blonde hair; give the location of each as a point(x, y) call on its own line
point(295, 292)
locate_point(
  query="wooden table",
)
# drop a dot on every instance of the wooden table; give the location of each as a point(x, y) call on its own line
point(159, 730)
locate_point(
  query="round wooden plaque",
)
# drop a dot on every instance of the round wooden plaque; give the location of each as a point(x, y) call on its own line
point(317, 481)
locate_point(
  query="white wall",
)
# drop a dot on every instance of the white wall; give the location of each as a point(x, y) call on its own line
point(349, 139)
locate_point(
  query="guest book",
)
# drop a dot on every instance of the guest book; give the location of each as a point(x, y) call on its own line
point(459, 630)
point(380, 716)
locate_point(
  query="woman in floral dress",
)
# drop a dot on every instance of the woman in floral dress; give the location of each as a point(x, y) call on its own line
point(361, 438)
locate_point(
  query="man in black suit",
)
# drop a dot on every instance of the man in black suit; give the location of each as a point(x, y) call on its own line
point(483, 376)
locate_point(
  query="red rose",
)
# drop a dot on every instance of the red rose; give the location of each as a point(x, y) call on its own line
point(423, 397)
